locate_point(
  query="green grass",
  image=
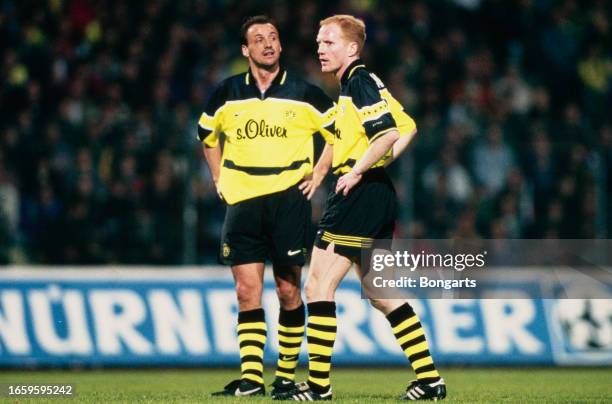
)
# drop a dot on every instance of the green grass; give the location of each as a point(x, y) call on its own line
point(367, 385)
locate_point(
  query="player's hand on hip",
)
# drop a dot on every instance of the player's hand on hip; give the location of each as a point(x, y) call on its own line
point(219, 194)
point(306, 184)
point(310, 184)
point(347, 182)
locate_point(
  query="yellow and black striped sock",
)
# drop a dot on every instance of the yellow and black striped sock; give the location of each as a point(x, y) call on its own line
point(252, 339)
point(411, 337)
point(290, 337)
point(321, 335)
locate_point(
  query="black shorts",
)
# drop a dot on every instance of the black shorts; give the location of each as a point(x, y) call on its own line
point(355, 221)
point(270, 227)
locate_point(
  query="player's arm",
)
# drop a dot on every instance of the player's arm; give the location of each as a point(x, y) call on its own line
point(376, 151)
point(209, 131)
point(399, 146)
point(213, 159)
point(378, 124)
point(322, 118)
point(313, 181)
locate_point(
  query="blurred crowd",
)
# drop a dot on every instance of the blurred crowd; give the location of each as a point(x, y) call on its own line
point(99, 102)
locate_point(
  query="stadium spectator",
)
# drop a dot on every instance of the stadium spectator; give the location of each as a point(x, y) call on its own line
point(492, 161)
point(458, 181)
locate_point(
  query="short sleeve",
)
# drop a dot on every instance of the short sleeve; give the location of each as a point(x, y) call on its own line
point(323, 112)
point(209, 125)
point(374, 111)
point(405, 123)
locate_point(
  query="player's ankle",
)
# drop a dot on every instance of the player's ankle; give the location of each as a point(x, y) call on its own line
point(318, 388)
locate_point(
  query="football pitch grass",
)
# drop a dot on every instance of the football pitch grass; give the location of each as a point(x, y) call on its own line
point(353, 385)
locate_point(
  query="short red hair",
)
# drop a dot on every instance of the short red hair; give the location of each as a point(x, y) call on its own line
point(352, 28)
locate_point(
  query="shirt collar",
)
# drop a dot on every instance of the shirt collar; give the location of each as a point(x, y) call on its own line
point(278, 80)
point(350, 70)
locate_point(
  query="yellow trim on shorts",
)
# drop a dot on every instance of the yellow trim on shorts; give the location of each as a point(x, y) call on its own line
point(349, 241)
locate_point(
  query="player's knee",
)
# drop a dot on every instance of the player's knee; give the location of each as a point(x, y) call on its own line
point(310, 290)
point(288, 294)
point(249, 295)
point(383, 305)
point(316, 291)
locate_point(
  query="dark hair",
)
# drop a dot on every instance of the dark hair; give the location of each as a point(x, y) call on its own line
point(256, 19)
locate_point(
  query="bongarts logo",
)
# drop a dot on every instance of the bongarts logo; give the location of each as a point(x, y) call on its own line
point(253, 128)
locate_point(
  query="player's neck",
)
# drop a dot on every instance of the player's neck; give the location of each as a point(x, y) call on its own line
point(345, 65)
point(264, 76)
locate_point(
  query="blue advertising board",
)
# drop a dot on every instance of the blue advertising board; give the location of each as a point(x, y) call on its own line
point(187, 317)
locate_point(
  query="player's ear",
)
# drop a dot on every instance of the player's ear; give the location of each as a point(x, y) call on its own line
point(245, 51)
point(353, 48)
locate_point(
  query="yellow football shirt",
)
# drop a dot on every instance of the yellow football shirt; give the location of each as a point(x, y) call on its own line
point(365, 111)
point(268, 137)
